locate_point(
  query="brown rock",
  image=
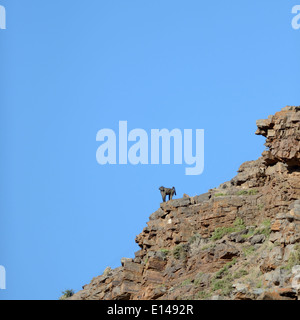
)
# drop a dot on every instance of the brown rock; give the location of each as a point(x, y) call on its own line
point(279, 294)
point(152, 276)
point(155, 264)
point(276, 226)
point(177, 256)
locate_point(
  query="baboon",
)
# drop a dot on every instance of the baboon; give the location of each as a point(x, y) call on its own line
point(167, 191)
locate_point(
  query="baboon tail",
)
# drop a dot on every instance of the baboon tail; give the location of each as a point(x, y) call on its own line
point(174, 191)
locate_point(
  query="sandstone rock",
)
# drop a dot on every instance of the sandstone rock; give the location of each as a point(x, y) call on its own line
point(226, 252)
point(296, 269)
point(158, 214)
point(282, 147)
point(156, 264)
point(276, 226)
point(259, 238)
point(279, 294)
point(152, 276)
point(201, 198)
point(127, 288)
point(124, 260)
point(276, 277)
point(238, 236)
point(178, 259)
point(240, 287)
point(175, 203)
point(250, 174)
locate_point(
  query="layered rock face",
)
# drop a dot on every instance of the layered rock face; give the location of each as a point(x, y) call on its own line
point(283, 136)
point(238, 241)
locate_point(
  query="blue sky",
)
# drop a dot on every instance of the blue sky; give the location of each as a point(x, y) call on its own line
point(70, 68)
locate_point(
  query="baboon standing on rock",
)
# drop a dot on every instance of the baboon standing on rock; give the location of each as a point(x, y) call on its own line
point(167, 191)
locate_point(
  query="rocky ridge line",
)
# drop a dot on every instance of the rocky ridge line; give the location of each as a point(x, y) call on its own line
point(238, 241)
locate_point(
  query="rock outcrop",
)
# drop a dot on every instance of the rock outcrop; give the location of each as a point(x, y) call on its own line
point(238, 241)
point(283, 136)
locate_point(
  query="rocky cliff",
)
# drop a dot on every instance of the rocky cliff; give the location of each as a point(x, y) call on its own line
point(238, 241)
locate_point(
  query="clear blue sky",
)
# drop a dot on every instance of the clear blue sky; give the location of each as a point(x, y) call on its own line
point(70, 68)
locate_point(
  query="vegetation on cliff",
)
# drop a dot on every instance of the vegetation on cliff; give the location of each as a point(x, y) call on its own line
point(238, 241)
